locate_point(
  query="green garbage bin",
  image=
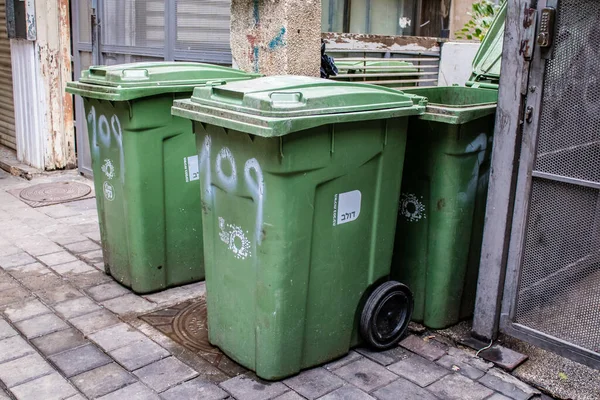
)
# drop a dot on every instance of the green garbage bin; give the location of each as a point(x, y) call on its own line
point(444, 191)
point(300, 178)
point(146, 170)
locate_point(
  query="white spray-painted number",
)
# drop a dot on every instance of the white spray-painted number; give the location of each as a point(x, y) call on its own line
point(103, 134)
point(346, 207)
point(235, 239)
point(411, 207)
point(109, 191)
point(226, 177)
point(191, 168)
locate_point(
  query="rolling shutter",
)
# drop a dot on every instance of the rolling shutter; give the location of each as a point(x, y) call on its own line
point(7, 110)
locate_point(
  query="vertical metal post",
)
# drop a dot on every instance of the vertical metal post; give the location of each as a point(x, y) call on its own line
point(170, 29)
point(94, 23)
point(368, 17)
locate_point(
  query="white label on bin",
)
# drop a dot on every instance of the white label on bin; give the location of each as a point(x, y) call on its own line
point(192, 172)
point(346, 207)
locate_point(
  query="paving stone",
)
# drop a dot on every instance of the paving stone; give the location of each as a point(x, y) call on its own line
point(347, 359)
point(129, 304)
point(418, 370)
point(498, 396)
point(93, 257)
point(139, 354)
point(94, 235)
point(136, 391)
point(314, 383)
point(195, 389)
point(63, 238)
point(422, 348)
point(61, 257)
point(14, 260)
point(291, 395)
point(3, 395)
point(96, 321)
point(58, 294)
point(459, 387)
point(79, 360)
point(82, 247)
point(403, 389)
point(76, 307)
point(165, 374)
point(461, 367)
point(7, 281)
point(171, 296)
point(508, 385)
point(106, 291)
point(42, 281)
point(60, 341)
point(366, 374)
point(8, 250)
point(103, 380)
point(23, 369)
point(14, 347)
point(467, 358)
point(116, 337)
point(23, 271)
point(387, 357)
point(347, 393)
point(72, 268)
point(26, 310)
point(41, 325)
point(14, 295)
point(88, 279)
point(249, 387)
point(6, 330)
point(58, 211)
point(49, 387)
point(77, 397)
point(38, 245)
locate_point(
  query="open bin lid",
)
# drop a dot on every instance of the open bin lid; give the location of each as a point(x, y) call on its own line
point(130, 81)
point(278, 105)
point(487, 61)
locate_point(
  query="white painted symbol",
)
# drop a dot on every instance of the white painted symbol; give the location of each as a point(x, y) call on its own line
point(108, 168)
point(229, 182)
point(346, 207)
point(109, 191)
point(235, 239)
point(412, 208)
point(102, 136)
point(192, 172)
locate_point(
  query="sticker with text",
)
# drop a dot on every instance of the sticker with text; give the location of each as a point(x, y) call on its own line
point(192, 173)
point(346, 207)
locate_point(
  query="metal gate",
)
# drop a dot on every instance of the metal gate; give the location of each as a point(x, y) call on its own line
point(108, 32)
point(552, 288)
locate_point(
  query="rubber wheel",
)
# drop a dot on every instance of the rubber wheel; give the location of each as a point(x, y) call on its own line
point(386, 314)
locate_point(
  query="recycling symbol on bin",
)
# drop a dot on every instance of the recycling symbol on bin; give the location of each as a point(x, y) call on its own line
point(235, 239)
point(411, 207)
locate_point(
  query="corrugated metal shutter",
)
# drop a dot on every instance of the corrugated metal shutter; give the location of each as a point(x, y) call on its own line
point(7, 110)
point(203, 25)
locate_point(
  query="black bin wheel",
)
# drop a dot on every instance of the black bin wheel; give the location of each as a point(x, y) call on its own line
point(386, 315)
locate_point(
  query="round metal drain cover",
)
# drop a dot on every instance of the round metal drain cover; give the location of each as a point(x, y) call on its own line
point(190, 325)
point(55, 192)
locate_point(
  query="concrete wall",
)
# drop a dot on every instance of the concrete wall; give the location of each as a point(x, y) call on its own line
point(456, 62)
point(281, 37)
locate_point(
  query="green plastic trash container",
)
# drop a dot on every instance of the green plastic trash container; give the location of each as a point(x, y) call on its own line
point(444, 191)
point(372, 71)
point(146, 170)
point(300, 178)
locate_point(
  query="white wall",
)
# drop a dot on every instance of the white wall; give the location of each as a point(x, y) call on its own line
point(456, 62)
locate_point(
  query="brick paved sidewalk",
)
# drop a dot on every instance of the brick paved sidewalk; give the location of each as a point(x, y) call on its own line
point(67, 331)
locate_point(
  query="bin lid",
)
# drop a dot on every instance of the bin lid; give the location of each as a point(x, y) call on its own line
point(130, 81)
point(486, 64)
point(278, 105)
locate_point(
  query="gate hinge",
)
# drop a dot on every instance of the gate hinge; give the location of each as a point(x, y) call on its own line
point(528, 39)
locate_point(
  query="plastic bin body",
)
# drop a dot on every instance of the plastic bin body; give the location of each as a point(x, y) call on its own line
point(145, 171)
point(299, 215)
point(442, 205)
point(368, 71)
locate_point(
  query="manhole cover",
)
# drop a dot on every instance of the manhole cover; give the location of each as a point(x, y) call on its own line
point(46, 194)
point(186, 324)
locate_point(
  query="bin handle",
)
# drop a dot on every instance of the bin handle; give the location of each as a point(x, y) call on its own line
point(286, 97)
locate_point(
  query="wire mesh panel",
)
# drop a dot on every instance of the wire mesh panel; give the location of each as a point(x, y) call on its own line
point(559, 291)
point(559, 287)
point(134, 23)
point(203, 25)
point(569, 138)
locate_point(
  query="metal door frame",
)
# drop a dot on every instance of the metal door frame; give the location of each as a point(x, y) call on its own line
point(524, 179)
point(97, 49)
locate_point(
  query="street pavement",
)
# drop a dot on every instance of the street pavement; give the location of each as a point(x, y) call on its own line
point(68, 331)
